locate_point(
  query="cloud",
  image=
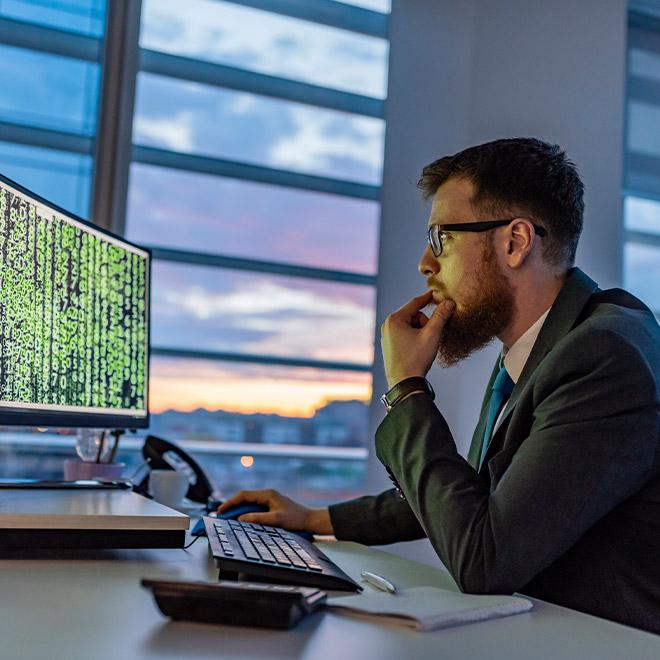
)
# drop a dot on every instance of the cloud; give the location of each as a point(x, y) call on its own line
point(223, 123)
point(319, 139)
point(263, 298)
point(268, 43)
point(314, 320)
point(174, 132)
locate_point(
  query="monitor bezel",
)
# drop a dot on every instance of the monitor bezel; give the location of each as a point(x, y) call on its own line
point(65, 419)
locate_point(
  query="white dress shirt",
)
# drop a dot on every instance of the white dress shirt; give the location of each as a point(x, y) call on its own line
point(515, 357)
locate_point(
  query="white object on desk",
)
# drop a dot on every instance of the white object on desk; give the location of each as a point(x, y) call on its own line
point(428, 608)
point(168, 486)
point(378, 581)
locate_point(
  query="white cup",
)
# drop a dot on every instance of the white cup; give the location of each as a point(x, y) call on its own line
point(168, 486)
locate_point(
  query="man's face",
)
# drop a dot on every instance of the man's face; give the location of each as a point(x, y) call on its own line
point(467, 272)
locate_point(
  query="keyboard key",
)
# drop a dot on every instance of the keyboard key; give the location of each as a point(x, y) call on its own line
point(264, 552)
point(293, 557)
point(246, 546)
point(309, 560)
point(281, 558)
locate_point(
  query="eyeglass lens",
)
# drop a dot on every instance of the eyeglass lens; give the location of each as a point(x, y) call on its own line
point(435, 239)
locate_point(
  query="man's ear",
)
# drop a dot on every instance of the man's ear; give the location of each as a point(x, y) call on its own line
point(520, 241)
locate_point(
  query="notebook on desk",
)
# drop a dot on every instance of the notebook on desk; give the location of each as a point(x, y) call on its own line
point(427, 608)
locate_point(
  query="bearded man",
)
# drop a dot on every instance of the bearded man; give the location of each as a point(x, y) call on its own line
point(559, 497)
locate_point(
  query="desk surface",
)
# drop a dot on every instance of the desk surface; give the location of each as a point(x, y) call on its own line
point(85, 509)
point(91, 606)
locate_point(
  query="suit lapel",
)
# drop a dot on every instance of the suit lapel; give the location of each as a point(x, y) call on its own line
point(563, 315)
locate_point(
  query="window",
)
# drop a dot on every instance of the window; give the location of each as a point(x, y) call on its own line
point(258, 142)
point(191, 118)
point(49, 94)
point(642, 160)
point(243, 219)
point(265, 42)
point(255, 173)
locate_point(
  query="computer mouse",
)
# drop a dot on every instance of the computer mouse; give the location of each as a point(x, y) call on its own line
point(198, 528)
point(232, 513)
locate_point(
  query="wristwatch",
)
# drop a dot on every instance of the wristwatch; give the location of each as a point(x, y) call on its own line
point(404, 388)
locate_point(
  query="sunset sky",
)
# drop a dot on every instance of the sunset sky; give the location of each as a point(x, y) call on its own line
point(187, 385)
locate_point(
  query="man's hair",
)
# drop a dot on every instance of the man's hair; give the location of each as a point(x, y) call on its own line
point(522, 177)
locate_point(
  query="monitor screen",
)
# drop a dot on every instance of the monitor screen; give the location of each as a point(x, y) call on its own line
point(74, 319)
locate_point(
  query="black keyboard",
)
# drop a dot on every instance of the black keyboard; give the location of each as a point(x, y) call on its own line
point(273, 554)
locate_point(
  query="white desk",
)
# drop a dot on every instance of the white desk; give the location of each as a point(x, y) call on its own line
point(91, 606)
point(85, 509)
point(87, 519)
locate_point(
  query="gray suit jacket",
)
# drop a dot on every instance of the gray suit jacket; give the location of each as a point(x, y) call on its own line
point(566, 506)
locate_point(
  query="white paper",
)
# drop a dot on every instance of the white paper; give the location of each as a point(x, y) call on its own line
point(427, 608)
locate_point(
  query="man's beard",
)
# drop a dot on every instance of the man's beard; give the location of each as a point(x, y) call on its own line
point(486, 312)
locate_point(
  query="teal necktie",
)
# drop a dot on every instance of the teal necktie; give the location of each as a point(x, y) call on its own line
point(499, 393)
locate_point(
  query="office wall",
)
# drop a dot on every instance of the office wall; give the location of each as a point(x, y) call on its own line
point(466, 72)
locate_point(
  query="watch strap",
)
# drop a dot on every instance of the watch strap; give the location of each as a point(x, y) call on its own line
point(405, 387)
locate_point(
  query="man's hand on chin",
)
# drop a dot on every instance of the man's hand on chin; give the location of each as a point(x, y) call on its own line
point(409, 339)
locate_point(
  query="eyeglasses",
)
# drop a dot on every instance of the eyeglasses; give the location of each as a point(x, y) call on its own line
point(437, 233)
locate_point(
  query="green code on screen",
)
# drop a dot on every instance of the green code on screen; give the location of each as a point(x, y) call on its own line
point(73, 317)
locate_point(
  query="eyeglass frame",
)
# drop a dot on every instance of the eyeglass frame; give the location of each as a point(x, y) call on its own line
point(482, 225)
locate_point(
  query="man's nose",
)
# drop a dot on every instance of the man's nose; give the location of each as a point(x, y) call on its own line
point(428, 264)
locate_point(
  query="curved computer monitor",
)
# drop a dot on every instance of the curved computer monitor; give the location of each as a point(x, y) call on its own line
point(74, 319)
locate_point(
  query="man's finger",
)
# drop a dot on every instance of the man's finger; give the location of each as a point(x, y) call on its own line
point(265, 518)
point(441, 315)
point(419, 320)
point(258, 496)
point(417, 303)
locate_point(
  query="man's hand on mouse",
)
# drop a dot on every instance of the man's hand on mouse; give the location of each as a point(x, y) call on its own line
point(282, 512)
